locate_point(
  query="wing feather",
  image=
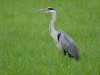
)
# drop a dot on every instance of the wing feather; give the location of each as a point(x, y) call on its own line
point(68, 44)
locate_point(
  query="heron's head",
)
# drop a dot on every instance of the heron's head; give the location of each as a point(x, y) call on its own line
point(50, 10)
point(47, 10)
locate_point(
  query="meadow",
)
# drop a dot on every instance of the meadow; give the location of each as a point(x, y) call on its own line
point(26, 47)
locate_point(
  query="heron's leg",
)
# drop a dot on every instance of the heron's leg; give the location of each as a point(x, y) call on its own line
point(64, 52)
point(70, 55)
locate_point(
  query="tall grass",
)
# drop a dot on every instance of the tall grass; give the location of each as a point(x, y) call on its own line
point(26, 47)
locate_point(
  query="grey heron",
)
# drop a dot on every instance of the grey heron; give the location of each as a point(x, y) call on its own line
point(62, 40)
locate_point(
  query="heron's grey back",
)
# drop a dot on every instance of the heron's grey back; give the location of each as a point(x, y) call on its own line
point(68, 44)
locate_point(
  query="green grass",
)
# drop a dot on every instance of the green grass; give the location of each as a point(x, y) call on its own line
point(26, 47)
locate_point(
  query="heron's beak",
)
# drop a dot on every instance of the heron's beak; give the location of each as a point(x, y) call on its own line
point(42, 10)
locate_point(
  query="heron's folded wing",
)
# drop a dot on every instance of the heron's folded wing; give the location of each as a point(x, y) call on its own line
point(68, 44)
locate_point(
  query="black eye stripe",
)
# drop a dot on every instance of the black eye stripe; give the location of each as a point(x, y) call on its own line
point(51, 8)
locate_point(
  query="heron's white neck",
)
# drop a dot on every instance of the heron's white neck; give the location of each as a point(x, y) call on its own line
point(51, 27)
point(54, 15)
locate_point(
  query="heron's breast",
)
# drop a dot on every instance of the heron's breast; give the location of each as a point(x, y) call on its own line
point(54, 36)
point(59, 46)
